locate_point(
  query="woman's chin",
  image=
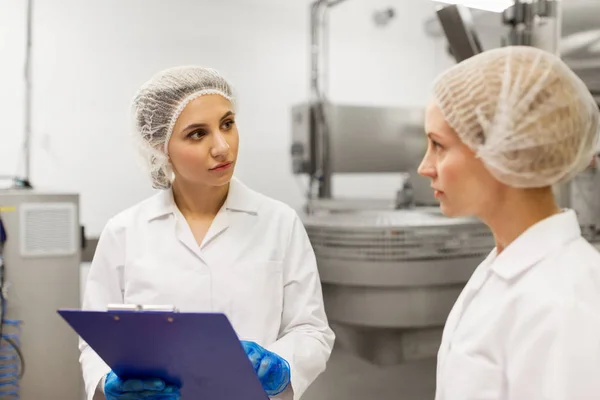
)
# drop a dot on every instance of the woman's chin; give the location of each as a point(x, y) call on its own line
point(447, 210)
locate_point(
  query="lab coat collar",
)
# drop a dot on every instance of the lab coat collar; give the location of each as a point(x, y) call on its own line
point(240, 198)
point(536, 243)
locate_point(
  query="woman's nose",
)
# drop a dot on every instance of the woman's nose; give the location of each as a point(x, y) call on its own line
point(426, 169)
point(220, 145)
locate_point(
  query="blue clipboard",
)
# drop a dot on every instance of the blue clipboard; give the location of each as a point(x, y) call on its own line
point(200, 352)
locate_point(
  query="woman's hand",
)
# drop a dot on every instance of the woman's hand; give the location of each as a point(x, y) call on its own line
point(272, 370)
point(116, 388)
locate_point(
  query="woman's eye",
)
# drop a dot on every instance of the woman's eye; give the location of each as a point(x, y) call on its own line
point(228, 124)
point(196, 135)
point(436, 145)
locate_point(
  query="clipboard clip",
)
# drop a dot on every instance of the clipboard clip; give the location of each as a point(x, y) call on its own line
point(141, 308)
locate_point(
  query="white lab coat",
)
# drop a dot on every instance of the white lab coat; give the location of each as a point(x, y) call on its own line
point(527, 324)
point(255, 264)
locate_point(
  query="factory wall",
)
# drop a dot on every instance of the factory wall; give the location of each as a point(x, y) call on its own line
point(89, 57)
point(12, 52)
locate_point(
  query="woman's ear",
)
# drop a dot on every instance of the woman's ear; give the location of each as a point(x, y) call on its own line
point(594, 160)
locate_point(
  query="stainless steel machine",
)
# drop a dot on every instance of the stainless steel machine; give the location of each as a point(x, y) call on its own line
point(40, 274)
point(391, 271)
point(391, 277)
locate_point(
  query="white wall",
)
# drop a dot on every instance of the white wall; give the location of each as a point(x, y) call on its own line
point(89, 57)
point(12, 50)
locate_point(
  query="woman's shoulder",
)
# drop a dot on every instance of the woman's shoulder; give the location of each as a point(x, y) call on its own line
point(140, 212)
point(573, 270)
point(242, 196)
point(568, 280)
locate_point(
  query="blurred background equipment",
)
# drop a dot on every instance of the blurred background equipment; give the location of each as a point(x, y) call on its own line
point(40, 257)
point(391, 270)
point(39, 273)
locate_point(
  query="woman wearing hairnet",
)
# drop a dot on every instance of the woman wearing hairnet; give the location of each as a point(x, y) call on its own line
point(208, 243)
point(504, 127)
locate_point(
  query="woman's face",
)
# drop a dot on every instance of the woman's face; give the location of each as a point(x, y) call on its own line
point(204, 145)
point(462, 184)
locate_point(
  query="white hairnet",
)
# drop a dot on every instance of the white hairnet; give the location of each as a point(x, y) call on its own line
point(529, 118)
point(158, 104)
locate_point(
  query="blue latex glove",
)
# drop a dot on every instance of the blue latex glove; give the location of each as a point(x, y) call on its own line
point(116, 388)
point(272, 370)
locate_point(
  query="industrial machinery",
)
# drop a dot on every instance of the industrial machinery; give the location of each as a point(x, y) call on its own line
point(391, 277)
point(40, 255)
point(392, 271)
point(40, 274)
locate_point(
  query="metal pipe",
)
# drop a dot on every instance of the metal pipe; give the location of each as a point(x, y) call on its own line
point(547, 31)
point(547, 36)
point(333, 3)
point(28, 97)
point(320, 170)
point(538, 23)
point(314, 95)
point(457, 23)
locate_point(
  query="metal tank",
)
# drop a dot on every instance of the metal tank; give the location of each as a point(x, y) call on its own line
point(391, 277)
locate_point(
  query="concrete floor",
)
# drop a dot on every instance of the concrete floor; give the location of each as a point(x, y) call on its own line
point(349, 378)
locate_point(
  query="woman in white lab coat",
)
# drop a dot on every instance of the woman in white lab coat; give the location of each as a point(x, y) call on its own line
point(503, 128)
point(208, 243)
